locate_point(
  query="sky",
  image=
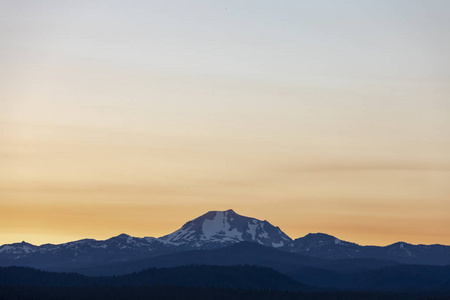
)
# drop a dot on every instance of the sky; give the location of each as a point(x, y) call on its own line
point(138, 116)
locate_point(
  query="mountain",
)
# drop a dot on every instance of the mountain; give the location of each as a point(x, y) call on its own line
point(215, 229)
point(326, 246)
point(82, 253)
point(221, 228)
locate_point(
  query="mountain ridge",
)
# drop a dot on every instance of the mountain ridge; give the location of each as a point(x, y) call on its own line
point(215, 229)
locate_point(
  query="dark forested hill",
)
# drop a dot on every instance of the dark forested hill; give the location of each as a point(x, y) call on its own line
point(400, 278)
point(243, 277)
point(222, 282)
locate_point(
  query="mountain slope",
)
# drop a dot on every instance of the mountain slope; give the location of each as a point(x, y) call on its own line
point(221, 228)
point(327, 246)
point(244, 253)
point(81, 253)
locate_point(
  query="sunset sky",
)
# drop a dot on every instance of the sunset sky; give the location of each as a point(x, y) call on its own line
point(137, 116)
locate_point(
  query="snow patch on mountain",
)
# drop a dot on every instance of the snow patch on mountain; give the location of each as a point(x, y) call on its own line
point(219, 226)
point(278, 245)
point(402, 246)
point(18, 248)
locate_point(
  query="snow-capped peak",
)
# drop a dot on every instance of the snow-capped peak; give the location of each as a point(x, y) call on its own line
point(18, 248)
point(218, 228)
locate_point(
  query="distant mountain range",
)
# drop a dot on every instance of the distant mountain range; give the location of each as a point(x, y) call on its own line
point(327, 246)
point(214, 231)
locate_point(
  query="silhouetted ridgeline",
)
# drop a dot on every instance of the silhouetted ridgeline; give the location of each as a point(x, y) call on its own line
point(214, 230)
point(243, 277)
point(188, 282)
point(346, 274)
